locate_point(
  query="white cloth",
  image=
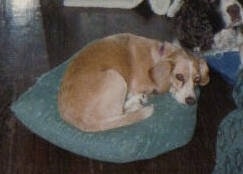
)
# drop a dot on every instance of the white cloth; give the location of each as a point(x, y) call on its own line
point(160, 7)
point(127, 4)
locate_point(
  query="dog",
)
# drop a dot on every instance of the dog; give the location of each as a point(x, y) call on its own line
point(195, 27)
point(216, 25)
point(107, 84)
point(232, 13)
point(231, 36)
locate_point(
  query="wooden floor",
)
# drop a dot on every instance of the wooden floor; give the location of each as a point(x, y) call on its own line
point(35, 38)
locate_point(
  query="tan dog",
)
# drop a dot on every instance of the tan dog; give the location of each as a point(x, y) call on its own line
point(105, 86)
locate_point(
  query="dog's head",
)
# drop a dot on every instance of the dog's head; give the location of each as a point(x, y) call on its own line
point(179, 72)
point(232, 13)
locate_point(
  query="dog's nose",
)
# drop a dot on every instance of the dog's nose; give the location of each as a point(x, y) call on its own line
point(190, 100)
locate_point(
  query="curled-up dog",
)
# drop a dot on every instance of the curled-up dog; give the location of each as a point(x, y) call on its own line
point(107, 84)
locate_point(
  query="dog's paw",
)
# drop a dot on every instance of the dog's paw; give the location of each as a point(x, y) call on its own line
point(135, 102)
point(143, 99)
point(148, 111)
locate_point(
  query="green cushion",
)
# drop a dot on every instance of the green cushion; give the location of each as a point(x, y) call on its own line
point(238, 90)
point(229, 147)
point(230, 136)
point(171, 126)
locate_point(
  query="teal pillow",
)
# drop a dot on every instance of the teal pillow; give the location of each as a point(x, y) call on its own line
point(238, 90)
point(229, 147)
point(171, 126)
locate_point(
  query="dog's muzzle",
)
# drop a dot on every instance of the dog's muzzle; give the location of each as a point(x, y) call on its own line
point(190, 101)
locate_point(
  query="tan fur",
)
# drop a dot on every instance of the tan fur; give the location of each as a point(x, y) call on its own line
point(105, 86)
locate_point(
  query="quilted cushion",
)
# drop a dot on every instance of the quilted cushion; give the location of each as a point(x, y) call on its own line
point(230, 136)
point(229, 144)
point(238, 90)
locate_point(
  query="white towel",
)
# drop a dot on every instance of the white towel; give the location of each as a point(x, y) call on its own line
point(160, 7)
point(127, 4)
point(166, 7)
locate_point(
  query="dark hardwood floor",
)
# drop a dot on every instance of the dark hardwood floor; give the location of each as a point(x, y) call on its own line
point(35, 37)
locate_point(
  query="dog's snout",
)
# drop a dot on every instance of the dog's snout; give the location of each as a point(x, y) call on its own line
point(190, 100)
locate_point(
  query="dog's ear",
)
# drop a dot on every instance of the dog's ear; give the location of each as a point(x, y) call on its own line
point(160, 75)
point(166, 49)
point(163, 52)
point(204, 72)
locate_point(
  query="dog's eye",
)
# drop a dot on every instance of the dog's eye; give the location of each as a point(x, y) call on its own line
point(197, 80)
point(180, 77)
